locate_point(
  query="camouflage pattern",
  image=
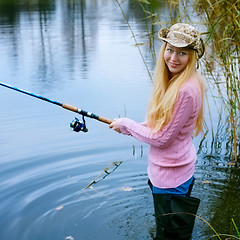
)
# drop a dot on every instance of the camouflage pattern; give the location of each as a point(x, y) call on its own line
point(183, 35)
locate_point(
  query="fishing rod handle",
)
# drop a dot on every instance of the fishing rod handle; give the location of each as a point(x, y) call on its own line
point(70, 107)
point(87, 114)
point(105, 120)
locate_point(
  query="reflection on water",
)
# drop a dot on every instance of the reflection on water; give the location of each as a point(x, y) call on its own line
point(81, 53)
point(219, 186)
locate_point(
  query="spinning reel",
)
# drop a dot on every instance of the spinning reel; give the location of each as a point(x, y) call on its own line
point(78, 126)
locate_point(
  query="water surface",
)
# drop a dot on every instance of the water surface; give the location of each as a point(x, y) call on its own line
point(82, 53)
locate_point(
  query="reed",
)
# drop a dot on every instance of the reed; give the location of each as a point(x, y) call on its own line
point(235, 226)
point(133, 35)
point(222, 20)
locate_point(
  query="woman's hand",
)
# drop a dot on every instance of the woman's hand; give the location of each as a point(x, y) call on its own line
point(115, 125)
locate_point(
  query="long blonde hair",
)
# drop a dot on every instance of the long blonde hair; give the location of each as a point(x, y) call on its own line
point(165, 92)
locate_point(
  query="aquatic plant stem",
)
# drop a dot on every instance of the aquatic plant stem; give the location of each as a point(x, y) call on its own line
point(234, 224)
point(210, 226)
point(150, 33)
point(105, 173)
point(134, 37)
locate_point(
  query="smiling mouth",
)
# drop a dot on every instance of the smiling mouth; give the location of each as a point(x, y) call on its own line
point(174, 65)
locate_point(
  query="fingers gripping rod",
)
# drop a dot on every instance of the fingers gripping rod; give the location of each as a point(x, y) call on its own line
point(63, 105)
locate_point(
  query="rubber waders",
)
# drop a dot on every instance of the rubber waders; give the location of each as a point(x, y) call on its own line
point(175, 216)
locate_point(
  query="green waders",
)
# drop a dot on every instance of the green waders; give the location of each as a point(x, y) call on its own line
point(175, 216)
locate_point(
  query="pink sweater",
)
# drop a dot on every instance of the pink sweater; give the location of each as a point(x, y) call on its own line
point(172, 155)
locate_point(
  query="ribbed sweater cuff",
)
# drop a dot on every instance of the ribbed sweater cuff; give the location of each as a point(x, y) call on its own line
point(125, 124)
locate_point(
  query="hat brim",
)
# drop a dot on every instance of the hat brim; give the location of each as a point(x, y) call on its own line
point(175, 42)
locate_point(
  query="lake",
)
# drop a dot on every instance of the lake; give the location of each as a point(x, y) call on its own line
point(59, 184)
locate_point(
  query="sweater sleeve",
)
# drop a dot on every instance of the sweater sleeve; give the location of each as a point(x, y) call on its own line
point(164, 137)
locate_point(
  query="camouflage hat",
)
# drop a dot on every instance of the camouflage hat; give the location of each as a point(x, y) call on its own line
point(183, 35)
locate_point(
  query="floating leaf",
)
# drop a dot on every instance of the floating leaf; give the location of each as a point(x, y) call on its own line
point(59, 208)
point(127, 189)
point(69, 238)
point(206, 182)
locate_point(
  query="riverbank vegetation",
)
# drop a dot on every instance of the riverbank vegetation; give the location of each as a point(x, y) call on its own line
point(222, 20)
point(219, 22)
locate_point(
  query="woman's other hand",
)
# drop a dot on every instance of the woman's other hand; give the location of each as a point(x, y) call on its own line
point(115, 125)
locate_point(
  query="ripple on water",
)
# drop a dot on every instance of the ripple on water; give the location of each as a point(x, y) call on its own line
point(47, 192)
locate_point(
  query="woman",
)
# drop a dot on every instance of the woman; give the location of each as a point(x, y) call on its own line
point(175, 114)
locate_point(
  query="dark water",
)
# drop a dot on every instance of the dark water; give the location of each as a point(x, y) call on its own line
point(82, 53)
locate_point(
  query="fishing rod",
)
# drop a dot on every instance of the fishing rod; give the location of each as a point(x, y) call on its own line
point(76, 125)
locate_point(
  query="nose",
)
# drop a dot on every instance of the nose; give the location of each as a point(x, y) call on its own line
point(174, 56)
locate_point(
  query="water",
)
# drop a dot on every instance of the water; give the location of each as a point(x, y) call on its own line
point(82, 53)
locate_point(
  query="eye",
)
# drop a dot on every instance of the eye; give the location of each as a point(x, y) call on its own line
point(169, 50)
point(182, 53)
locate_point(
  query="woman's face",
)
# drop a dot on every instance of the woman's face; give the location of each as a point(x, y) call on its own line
point(176, 59)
